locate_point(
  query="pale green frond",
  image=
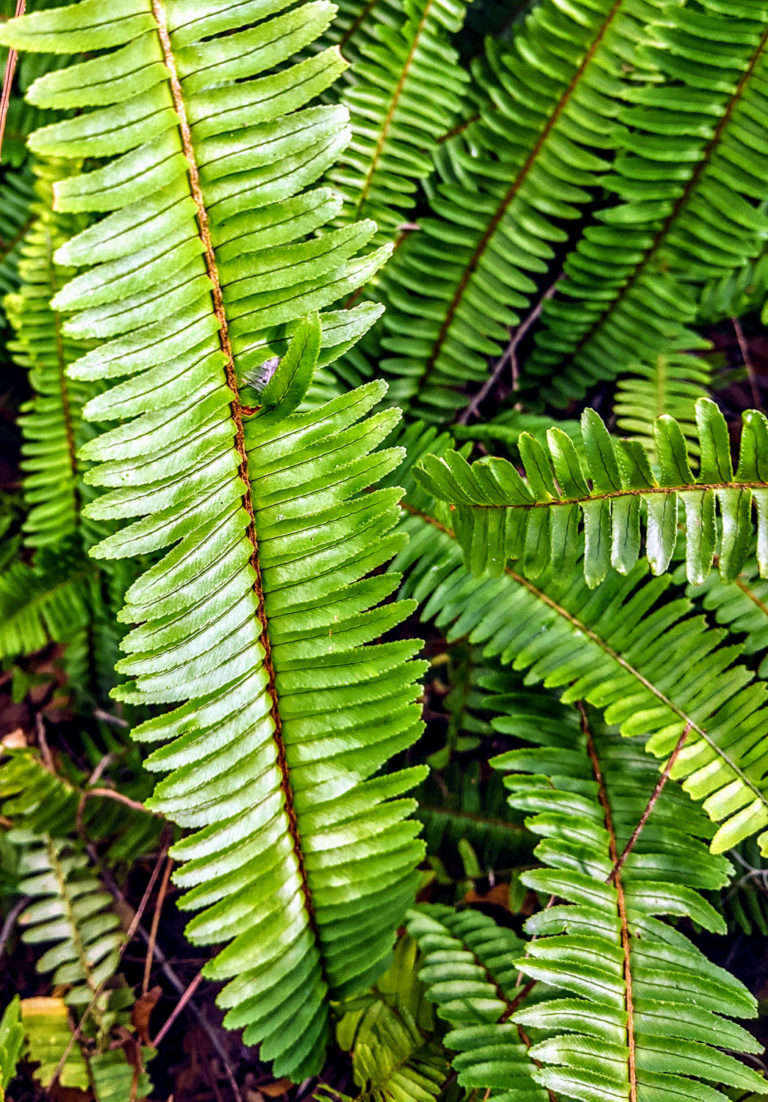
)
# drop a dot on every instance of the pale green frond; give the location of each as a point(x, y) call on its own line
point(528, 165)
point(633, 1009)
point(614, 494)
point(690, 180)
point(16, 198)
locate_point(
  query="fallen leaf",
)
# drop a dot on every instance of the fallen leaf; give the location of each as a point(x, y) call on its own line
point(498, 894)
point(276, 1089)
point(142, 1011)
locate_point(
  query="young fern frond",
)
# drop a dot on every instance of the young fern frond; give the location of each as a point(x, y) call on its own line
point(402, 96)
point(389, 1032)
point(526, 166)
point(633, 1008)
point(259, 620)
point(669, 383)
point(690, 179)
point(647, 662)
point(51, 422)
point(499, 516)
point(471, 976)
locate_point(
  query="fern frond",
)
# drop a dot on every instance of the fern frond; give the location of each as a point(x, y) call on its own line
point(523, 168)
point(48, 1032)
point(11, 1042)
point(653, 668)
point(499, 516)
point(639, 1008)
point(259, 620)
point(471, 975)
point(402, 96)
point(44, 603)
point(690, 179)
point(51, 421)
point(669, 383)
point(389, 1032)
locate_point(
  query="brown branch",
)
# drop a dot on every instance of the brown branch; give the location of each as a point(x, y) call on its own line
point(620, 901)
point(744, 349)
point(650, 805)
point(10, 69)
point(510, 355)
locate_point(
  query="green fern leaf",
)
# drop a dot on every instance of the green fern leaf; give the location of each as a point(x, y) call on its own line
point(44, 603)
point(690, 176)
point(639, 1008)
point(258, 622)
point(499, 516)
point(523, 168)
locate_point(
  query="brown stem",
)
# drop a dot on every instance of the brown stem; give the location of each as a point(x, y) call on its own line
point(186, 996)
point(744, 349)
point(155, 925)
point(650, 805)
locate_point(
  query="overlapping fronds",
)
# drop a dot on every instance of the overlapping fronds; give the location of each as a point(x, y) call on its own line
point(389, 1033)
point(637, 1009)
point(471, 976)
point(44, 603)
point(260, 616)
point(11, 1042)
point(524, 168)
point(690, 179)
point(653, 668)
point(669, 383)
point(498, 515)
point(403, 95)
point(51, 421)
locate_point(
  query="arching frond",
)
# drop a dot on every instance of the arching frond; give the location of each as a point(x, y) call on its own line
point(16, 198)
point(471, 976)
point(499, 516)
point(740, 605)
point(690, 179)
point(402, 95)
point(524, 168)
point(637, 1009)
point(258, 622)
point(625, 647)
